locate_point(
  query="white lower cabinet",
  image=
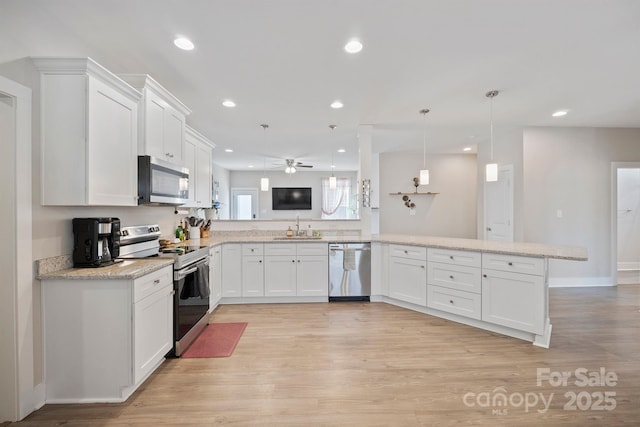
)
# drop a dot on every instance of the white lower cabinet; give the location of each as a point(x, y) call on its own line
point(104, 337)
point(408, 280)
point(463, 303)
point(514, 300)
point(296, 269)
point(252, 276)
point(280, 275)
point(231, 270)
point(215, 275)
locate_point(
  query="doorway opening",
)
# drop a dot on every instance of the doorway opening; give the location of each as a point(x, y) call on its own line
point(498, 206)
point(625, 217)
point(244, 203)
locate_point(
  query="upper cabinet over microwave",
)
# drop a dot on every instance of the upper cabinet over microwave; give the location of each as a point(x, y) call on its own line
point(162, 120)
point(89, 134)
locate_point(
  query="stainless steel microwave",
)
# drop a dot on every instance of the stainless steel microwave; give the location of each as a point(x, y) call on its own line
point(161, 183)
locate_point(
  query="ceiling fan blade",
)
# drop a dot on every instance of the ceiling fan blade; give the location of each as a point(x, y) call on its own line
point(303, 166)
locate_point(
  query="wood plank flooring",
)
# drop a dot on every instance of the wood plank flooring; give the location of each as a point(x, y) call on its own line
point(373, 364)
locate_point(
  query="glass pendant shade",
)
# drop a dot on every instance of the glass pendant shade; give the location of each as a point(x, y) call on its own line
point(333, 182)
point(424, 177)
point(264, 184)
point(491, 172)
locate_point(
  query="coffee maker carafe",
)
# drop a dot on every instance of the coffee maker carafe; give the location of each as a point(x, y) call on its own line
point(96, 241)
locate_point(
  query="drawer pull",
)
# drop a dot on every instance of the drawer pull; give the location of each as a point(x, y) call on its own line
point(451, 277)
point(451, 256)
point(451, 301)
point(484, 275)
point(260, 261)
point(252, 249)
point(406, 252)
point(293, 260)
point(422, 266)
point(510, 263)
point(155, 282)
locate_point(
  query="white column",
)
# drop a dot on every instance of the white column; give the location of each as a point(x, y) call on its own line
point(365, 142)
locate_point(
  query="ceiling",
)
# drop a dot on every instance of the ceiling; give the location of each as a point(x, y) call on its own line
point(283, 63)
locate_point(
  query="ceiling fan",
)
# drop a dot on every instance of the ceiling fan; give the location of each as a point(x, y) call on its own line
point(291, 166)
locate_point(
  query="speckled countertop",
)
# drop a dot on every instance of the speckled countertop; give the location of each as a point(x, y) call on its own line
point(61, 267)
point(126, 270)
point(540, 250)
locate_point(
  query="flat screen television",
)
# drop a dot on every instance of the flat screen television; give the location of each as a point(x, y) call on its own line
point(290, 198)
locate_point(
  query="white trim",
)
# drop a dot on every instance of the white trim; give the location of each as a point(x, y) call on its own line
point(629, 266)
point(580, 282)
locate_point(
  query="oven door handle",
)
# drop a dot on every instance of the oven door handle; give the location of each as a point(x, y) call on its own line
point(183, 273)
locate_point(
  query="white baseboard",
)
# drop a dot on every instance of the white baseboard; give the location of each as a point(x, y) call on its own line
point(579, 282)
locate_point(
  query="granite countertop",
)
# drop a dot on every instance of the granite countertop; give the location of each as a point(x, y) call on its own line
point(574, 253)
point(126, 270)
point(540, 250)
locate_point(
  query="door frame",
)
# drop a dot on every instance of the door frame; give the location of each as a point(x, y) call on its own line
point(614, 215)
point(501, 168)
point(17, 357)
point(239, 190)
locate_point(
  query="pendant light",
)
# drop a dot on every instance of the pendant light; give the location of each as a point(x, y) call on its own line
point(264, 181)
point(491, 169)
point(333, 181)
point(424, 172)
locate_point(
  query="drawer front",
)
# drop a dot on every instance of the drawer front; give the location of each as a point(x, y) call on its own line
point(457, 302)
point(454, 277)
point(312, 249)
point(514, 264)
point(450, 256)
point(152, 282)
point(407, 251)
point(288, 249)
point(252, 249)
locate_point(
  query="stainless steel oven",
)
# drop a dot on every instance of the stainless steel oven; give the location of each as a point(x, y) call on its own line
point(191, 302)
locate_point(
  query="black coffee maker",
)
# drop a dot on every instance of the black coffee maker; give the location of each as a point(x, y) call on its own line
point(96, 241)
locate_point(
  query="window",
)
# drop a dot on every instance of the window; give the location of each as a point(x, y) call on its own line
point(339, 203)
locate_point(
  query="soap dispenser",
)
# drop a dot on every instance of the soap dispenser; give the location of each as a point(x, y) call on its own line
point(289, 232)
point(309, 231)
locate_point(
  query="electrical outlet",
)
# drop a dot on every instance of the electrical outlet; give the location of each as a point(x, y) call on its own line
point(412, 211)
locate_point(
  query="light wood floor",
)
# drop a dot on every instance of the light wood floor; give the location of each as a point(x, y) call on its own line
point(373, 364)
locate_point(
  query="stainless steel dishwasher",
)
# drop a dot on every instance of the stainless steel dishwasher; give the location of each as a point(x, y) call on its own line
point(349, 271)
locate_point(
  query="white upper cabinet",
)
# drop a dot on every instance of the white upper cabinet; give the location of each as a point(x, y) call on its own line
point(162, 120)
point(198, 159)
point(89, 134)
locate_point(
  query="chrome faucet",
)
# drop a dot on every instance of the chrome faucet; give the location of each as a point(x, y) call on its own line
point(297, 225)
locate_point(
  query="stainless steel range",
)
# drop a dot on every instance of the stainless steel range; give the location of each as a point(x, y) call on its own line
point(190, 279)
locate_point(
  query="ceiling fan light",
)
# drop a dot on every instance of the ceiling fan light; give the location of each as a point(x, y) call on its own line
point(290, 169)
point(333, 182)
point(424, 177)
point(264, 184)
point(491, 172)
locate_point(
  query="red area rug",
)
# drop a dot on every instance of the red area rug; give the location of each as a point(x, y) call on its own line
point(216, 340)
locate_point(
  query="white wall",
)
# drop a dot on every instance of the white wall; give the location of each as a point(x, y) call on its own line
point(569, 169)
point(221, 176)
point(242, 179)
point(451, 213)
point(629, 218)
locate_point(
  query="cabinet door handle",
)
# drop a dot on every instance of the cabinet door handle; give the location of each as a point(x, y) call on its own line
point(293, 260)
point(422, 266)
point(484, 275)
point(260, 261)
point(451, 277)
point(450, 301)
point(155, 282)
point(298, 260)
point(510, 263)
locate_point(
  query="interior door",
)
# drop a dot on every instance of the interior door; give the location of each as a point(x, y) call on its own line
point(244, 203)
point(498, 206)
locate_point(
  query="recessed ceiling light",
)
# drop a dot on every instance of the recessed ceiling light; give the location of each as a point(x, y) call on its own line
point(250, 166)
point(228, 103)
point(342, 150)
point(183, 43)
point(337, 104)
point(353, 46)
point(228, 150)
point(333, 166)
point(466, 149)
point(560, 113)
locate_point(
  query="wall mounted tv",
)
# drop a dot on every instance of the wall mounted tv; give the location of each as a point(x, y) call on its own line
point(290, 198)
